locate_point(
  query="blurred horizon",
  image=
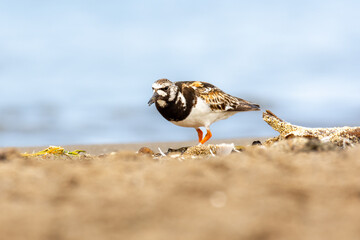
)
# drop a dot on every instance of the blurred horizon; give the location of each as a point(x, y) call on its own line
point(81, 72)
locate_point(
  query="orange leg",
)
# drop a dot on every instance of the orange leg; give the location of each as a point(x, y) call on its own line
point(207, 136)
point(200, 134)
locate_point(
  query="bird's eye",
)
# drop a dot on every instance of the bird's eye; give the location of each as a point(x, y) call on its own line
point(166, 88)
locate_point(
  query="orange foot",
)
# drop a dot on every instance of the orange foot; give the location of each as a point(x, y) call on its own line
point(207, 136)
point(200, 134)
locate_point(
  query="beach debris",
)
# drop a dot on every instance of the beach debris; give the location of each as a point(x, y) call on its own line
point(54, 150)
point(340, 136)
point(145, 151)
point(199, 150)
point(255, 143)
point(210, 150)
point(224, 149)
point(161, 152)
point(177, 150)
point(239, 148)
point(194, 151)
point(303, 144)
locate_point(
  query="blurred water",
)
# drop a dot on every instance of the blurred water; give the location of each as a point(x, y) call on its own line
point(81, 73)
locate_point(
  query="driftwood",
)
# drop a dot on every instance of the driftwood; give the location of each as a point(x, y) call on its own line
point(340, 136)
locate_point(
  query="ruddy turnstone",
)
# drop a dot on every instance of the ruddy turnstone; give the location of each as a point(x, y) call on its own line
point(196, 104)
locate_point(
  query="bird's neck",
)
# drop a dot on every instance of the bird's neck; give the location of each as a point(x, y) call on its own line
point(179, 108)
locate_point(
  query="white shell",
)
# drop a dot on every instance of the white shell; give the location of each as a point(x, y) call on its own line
point(224, 149)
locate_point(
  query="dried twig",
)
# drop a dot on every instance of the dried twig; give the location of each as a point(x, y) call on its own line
point(337, 135)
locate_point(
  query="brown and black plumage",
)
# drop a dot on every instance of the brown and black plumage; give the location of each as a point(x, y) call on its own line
point(221, 101)
point(196, 104)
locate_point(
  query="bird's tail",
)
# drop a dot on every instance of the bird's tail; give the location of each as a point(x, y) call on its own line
point(254, 107)
point(245, 106)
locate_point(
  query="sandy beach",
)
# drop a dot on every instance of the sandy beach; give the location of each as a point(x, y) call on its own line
point(255, 194)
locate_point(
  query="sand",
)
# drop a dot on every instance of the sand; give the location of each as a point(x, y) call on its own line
point(256, 194)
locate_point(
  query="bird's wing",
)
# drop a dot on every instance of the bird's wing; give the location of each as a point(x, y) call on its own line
point(221, 101)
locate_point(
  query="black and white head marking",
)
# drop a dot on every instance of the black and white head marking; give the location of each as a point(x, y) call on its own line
point(164, 92)
point(174, 101)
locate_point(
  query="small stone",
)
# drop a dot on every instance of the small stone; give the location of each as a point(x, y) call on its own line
point(257, 142)
point(177, 150)
point(145, 151)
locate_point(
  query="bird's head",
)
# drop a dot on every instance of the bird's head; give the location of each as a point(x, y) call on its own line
point(164, 92)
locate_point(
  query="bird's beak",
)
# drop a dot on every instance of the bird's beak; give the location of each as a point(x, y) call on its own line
point(153, 98)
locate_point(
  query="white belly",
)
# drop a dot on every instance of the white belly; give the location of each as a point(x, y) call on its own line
point(202, 116)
